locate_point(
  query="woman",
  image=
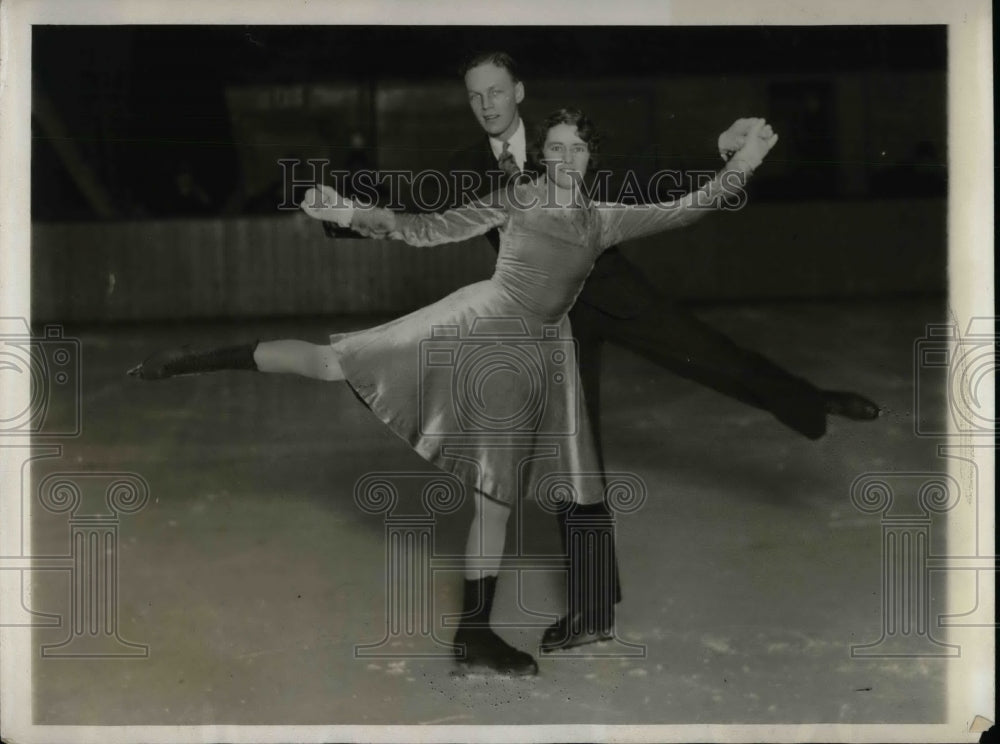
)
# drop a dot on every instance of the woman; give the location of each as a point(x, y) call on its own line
point(482, 383)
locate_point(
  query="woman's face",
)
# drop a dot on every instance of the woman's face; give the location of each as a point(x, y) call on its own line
point(565, 155)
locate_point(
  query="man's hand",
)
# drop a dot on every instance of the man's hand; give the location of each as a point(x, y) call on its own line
point(373, 222)
point(757, 143)
point(324, 203)
point(736, 136)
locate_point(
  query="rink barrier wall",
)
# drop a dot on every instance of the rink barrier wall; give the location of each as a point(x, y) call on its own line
point(285, 266)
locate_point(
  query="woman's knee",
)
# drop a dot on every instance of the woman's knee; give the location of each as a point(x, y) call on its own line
point(326, 364)
point(491, 510)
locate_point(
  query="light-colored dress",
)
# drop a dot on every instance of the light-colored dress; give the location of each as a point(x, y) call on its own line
point(484, 382)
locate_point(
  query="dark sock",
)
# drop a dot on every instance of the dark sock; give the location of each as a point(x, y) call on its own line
point(188, 361)
point(477, 601)
point(476, 645)
point(226, 357)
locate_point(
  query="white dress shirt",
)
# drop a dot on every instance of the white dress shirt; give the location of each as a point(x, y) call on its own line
point(518, 146)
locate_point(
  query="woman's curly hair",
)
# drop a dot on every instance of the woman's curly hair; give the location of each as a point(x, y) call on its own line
point(585, 129)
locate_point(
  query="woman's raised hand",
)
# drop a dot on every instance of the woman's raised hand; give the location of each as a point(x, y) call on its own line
point(757, 142)
point(324, 203)
point(735, 137)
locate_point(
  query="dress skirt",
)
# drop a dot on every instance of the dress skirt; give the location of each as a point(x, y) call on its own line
point(484, 389)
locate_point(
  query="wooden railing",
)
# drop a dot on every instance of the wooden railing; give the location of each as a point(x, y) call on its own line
point(285, 266)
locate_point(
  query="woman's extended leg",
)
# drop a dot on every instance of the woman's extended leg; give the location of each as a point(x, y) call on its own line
point(476, 645)
point(317, 361)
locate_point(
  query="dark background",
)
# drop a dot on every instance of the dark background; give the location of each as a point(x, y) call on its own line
point(156, 177)
point(165, 119)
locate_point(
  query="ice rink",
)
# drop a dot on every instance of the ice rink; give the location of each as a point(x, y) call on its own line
point(251, 574)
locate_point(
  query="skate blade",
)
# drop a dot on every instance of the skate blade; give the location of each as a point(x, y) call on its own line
point(466, 670)
point(587, 641)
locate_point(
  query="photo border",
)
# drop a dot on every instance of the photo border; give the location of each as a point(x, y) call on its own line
point(971, 294)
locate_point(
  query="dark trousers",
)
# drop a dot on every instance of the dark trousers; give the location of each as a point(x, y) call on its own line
point(670, 336)
point(673, 338)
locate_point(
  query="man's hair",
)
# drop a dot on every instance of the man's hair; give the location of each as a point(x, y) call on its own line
point(500, 59)
point(585, 129)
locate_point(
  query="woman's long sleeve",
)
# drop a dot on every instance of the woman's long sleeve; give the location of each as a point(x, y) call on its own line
point(622, 222)
point(421, 230)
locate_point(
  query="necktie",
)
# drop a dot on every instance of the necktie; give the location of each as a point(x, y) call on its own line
point(507, 163)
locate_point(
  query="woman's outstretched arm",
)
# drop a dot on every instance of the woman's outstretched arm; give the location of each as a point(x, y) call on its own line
point(627, 222)
point(452, 226)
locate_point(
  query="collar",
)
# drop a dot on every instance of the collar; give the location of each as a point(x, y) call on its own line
point(518, 146)
point(546, 191)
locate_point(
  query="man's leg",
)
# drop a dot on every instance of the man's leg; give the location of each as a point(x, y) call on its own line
point(588, 328)
point(637, 315)
point(587, 325)
point(674, 338)
point(587, 532)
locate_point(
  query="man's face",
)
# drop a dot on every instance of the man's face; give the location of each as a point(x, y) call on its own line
point(494, 96)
